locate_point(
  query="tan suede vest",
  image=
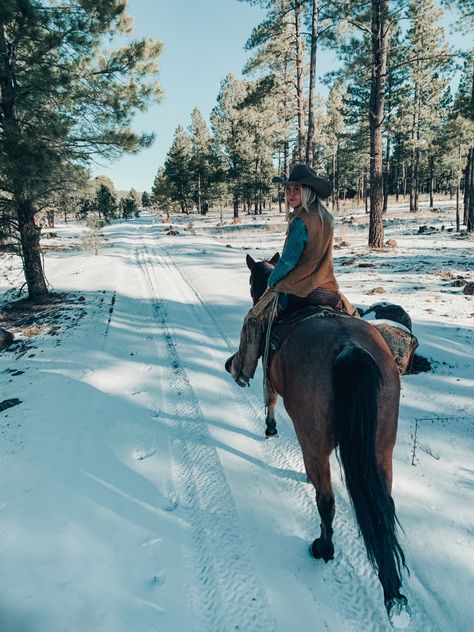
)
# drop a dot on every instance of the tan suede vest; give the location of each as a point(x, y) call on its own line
point(315, 268)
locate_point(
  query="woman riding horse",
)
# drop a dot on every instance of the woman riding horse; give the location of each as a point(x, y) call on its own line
point(339, 383)
point(303, 276)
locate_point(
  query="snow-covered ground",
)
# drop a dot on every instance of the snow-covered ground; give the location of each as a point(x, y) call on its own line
point(137, 490)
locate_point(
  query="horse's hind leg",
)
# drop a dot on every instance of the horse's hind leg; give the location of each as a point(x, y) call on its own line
point(270, 404)
point(320, 475)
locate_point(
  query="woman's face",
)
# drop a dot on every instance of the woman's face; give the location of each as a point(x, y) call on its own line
point(293, 194)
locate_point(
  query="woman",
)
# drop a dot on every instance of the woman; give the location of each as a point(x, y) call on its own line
point(304, 274)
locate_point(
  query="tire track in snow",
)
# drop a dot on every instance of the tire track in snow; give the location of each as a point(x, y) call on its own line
point(229, 594)
point(284, 455)
point(351, 579)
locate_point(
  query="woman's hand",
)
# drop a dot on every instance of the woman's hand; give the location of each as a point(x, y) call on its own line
point(267, 297)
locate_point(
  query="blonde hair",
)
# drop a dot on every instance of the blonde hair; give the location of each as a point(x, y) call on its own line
point(308, 197)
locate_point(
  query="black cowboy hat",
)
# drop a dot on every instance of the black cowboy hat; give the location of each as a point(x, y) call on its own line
point(302, 174)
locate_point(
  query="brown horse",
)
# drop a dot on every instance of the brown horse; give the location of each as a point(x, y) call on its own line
point(341, 388)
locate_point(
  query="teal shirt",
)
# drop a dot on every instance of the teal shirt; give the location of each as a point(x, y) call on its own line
point(294, 246)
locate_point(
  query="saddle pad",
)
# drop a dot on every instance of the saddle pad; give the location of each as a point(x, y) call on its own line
point(287, 321)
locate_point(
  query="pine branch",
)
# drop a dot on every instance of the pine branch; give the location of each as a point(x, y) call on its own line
point(427, 58)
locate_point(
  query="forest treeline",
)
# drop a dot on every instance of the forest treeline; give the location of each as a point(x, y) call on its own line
point(398, 118)
point(392, 124)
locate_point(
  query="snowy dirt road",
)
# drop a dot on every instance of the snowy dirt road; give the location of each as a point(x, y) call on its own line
point(144, 495)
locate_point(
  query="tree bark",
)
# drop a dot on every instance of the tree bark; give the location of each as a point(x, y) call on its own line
point(470, 179)
point(469, 192)
point(396, 180)
point(376, 114)
point(366, 194)
point(236, 208)
point(458, 187)
point(299, 80)
point(386, 175)
point(30, 235)
point(199, 193)
point(312, 83)
point(431, 176)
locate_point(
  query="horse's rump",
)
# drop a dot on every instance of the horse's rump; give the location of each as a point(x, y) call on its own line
point(308, 352)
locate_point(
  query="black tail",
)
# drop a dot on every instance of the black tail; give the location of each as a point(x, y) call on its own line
point(356, 381)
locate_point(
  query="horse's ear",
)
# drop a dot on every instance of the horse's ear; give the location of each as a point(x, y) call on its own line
point(250, 262)
point(274, 259)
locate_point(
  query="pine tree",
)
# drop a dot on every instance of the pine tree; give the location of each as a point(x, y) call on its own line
point(335, 128)
point(105, 203)
point(464, 106)
point(63, 100)
point(146, 200)
point(465, 24)
point(374, 25)
point(201, 162)
point(427, 66)
point(355, 75)
point(129, 207)
point(178, 169)
point(133, 194)
point(232, 137)
point(280, 46)
point(454, 142)
point(162, 192)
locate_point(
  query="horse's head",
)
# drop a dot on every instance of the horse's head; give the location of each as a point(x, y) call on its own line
point(259, 273)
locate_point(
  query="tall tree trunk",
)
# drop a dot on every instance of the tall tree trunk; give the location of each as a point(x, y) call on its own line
point(199, 193)
point(397, 182)
point(413, 153)
point(458, 187)
point(280, 206)
point(366, 194)
point(431, 180)
point(386, 174)
point(416, 184)
point(236, 208)
point(286, 167)
point(470, 180)
point(333, 191)
point(380, 39)
point(312, 83)
point(299, 79)
point(30, 249)
point(30, 233)
point(412, 181)
point(469, 212)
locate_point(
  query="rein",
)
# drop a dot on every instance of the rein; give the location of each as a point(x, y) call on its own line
point(268, 335)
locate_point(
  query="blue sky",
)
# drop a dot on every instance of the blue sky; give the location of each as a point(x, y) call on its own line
point(203, 41)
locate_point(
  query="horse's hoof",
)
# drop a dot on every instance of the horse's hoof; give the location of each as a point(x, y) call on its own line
point(271, 431)
point(398, 611)
point(321, 553)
